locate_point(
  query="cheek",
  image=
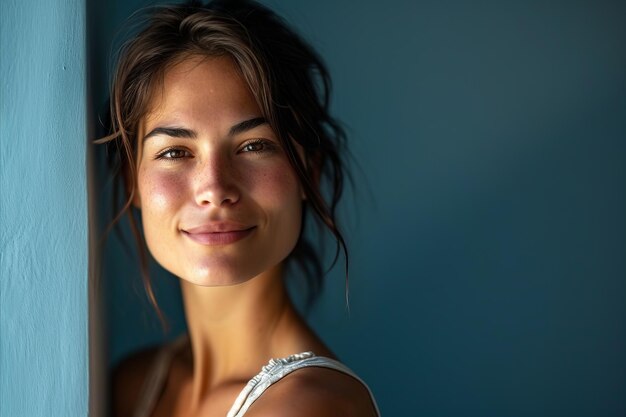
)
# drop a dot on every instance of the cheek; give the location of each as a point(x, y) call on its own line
point(277, 187)
point(159, 192)
point(278, 192)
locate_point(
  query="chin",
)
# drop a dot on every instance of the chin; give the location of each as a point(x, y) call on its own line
point(216, 277)
point(226, 275)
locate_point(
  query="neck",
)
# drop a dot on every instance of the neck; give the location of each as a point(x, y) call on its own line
point(234, 330)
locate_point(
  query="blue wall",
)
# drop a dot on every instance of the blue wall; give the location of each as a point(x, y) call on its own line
point(43, 210)
point(488, 238)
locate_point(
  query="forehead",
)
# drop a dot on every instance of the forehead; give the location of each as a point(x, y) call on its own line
point(201, 88)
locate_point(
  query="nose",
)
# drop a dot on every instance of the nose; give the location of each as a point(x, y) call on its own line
point(216, 182)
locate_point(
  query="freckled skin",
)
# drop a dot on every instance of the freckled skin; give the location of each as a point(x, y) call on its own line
point(217, 179)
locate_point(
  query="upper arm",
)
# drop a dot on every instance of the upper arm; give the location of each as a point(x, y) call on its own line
point(127, 380)
point(314, 392)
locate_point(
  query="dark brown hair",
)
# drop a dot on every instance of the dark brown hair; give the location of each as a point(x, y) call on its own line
point(286, 77)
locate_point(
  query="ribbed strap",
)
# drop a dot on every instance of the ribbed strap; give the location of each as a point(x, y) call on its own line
point(277, 369)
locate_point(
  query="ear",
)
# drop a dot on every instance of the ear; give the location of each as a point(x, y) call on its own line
point(132, 177)
point(133, 191)
point(136, 202)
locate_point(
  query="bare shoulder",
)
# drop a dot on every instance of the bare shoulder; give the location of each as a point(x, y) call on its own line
point(127, 381)
point(315, 392)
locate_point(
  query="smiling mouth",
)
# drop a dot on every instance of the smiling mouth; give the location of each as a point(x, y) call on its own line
point(218, 238)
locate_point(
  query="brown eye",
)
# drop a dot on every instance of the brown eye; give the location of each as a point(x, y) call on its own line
point(174, 154)
point(258, 146)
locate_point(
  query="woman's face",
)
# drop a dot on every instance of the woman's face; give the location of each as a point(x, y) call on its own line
point(220, 203)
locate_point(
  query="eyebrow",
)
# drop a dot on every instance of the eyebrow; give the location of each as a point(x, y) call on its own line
point(175, 132)
point(179, 132)
point(246, 125)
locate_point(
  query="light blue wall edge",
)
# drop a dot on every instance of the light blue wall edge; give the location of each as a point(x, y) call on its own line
point(43, 209)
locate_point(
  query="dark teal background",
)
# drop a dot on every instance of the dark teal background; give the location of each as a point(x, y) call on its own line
point(488, 234)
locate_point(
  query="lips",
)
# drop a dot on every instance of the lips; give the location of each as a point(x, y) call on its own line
point(218, 233)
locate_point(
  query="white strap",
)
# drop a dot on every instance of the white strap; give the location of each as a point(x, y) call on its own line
point(277, 369)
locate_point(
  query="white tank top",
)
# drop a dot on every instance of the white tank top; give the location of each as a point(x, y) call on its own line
point(271, 373)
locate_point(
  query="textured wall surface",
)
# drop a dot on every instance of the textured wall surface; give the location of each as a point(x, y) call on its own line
point(488, 239)
point(43, 234)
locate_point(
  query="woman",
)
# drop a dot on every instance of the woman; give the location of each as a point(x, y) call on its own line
point(221, 115)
